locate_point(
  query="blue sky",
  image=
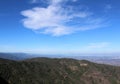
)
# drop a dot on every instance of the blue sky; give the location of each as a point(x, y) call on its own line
point(60, 26)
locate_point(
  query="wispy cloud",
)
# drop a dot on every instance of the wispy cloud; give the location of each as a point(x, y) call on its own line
point(98, 45)
point(33, 1)
point(36, 1)
point(58, 19)
point(108, 7)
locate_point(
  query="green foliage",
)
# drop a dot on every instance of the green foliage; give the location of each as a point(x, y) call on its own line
point(58, 71)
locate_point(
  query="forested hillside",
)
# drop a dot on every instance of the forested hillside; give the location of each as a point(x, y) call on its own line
point(57, 71)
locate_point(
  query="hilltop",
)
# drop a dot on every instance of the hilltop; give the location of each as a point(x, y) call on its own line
point(58, 71)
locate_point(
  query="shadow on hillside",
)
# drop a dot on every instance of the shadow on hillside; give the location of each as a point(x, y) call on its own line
point(2, 81)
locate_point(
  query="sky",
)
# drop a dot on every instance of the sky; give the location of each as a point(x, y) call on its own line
point(60, 26)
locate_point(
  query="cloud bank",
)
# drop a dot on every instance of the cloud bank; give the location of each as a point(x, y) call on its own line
point(59, 19)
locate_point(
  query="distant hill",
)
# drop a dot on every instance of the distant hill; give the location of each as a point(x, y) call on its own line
point(22, 56)
point(58, 71)
point(115, 62)
point(110, 60)
point(14, 56)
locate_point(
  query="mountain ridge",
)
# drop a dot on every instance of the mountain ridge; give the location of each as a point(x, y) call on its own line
point(58, 71)
point(110, 60)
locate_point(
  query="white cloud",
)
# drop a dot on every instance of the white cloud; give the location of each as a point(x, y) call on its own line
point(58, 31)
point(98, 45)
point(56, 19)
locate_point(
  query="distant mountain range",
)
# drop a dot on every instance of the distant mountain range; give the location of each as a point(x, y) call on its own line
point(111, 60)
point(14, 56)
point(57, 71)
